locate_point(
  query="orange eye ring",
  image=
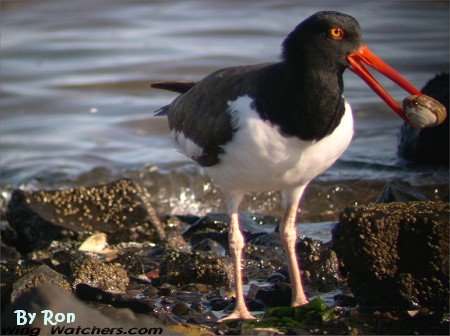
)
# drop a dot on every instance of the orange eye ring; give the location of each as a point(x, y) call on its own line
point(336, 33)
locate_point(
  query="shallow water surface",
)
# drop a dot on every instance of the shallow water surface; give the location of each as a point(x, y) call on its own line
point(76, 107)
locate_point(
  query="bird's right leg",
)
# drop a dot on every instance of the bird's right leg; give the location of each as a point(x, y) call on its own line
point(236, 241)
point(288, 234)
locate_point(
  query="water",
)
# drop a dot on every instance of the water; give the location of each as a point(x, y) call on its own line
point(76, 107)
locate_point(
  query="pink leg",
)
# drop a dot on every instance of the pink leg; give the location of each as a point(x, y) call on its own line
point(288, 234)
point(236, 240)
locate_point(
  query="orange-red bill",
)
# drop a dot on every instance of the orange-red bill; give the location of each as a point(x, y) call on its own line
point(364, 55)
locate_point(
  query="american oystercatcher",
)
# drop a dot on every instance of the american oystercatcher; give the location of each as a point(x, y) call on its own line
point(276, 126)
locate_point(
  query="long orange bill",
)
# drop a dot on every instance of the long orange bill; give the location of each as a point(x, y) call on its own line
point(364, 55)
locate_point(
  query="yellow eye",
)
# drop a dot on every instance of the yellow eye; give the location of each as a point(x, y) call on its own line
point(336, 33)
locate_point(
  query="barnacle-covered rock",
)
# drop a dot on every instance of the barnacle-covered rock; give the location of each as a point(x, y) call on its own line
point(110, 277)
point(182, 268)
point(36, 277)
point(119, 208)
point(10, 272)
point(396, 254)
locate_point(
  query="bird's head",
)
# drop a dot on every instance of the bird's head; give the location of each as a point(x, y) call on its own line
point(334, 40)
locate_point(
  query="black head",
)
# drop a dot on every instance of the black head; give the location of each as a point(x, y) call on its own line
point(325, 37)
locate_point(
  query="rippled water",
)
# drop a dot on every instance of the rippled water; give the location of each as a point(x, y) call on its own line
point(76, 106)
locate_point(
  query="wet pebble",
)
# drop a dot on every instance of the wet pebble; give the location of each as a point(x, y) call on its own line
point(276, 278)
point(118, 300)
point(209, 245)
point(345, 300)
point(277, 295)
point(180, 308)
point(198, 307)
point(166, 289)
point(218, 304)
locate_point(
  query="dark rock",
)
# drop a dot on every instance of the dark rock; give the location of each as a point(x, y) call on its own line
point(345, 300)
point(212, 222)
point(265, 220)
point(10, 272)
point(179, 224)
point(117, 208)
point(429, 145)
point(319, 264)
point(8, 252)
point(36, 277)
point(270, 241)
point(318, 261)
point(188, 219)
point(278, 295)
point(110, 277)
point(400, 191)
point(88, 293)
point(198, 307)
point(209, 245)
point(220, 237)
point(166, 289)
point(417, 325)
point(263, 255)
point(131, 263)
point(64, 261)
point(255, 305)
point(202, 318)
point(252, 305)
point(180, 308)
point(276, 278)
point(51, 298)
point(396, 254)
point(218, 304)
point(215, 226)
point(182, 268)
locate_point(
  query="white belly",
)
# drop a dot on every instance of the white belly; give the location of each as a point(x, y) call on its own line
point(260, 159)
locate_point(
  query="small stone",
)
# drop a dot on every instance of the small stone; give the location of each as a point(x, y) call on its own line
point(218, 304)
point(276, 278)
point(181, 309)
point(209, 245)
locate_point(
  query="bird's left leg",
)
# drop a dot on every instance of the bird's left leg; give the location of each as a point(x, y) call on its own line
point(236, 241)
point(288, 235)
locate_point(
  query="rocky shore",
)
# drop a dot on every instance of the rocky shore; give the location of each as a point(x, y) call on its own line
point(102, 253)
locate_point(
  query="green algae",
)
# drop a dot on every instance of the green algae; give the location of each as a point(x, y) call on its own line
point(314, 314)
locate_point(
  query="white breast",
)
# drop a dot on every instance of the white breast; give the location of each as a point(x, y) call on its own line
point(259, 158)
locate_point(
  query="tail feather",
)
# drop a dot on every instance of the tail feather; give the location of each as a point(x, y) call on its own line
point(162, 111)
point(179, 87)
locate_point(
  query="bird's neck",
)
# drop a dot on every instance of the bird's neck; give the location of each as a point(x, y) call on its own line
point(313, 104)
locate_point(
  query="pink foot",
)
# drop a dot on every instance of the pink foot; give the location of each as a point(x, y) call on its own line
point(238, 314)
point(299, 302)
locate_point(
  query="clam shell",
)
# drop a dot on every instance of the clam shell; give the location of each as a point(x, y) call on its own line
point(423, 111)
